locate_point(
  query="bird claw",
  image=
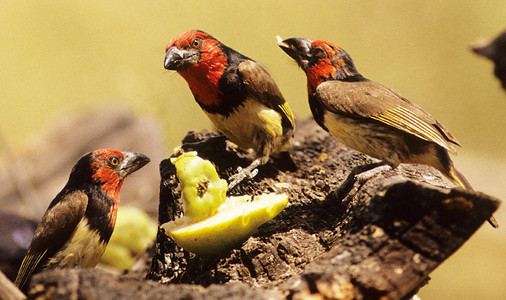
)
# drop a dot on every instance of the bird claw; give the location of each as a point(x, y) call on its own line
point(248, 172)
point(361, 173)
point(364, 176)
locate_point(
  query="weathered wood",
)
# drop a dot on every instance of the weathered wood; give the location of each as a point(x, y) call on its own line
point(99, 284)
point(420, 226)
point(377, 234)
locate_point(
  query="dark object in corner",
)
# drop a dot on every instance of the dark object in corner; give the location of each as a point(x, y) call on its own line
point(495, 50)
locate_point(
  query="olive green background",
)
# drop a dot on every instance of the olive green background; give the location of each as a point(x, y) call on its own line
point(59, 57)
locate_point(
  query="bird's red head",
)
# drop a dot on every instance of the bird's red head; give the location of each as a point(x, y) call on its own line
point(320, 60)
point(195, 53)
point(199, 59)
point(191, 38)
point(106, 168)
point(326, 62)
point(111, 166)
point(105, 165)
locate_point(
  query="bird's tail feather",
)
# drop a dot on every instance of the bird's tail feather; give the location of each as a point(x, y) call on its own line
point(462, 181)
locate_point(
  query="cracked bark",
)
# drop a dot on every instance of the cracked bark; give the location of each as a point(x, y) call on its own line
point(376, 236)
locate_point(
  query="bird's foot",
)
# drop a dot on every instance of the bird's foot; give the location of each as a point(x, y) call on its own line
point(248, 172)
point(361, 174)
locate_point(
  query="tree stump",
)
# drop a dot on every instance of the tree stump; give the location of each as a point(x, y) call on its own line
point(372, 234)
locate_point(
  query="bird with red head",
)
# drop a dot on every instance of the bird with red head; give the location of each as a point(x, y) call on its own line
point(369, 117)
point(76, 227)
point(237, 94)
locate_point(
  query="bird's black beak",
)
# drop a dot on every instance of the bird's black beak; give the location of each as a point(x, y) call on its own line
point(177, 59)
point(132, 162)
point(298, 49)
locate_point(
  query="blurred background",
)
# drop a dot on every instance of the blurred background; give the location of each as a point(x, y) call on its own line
point(62, 61)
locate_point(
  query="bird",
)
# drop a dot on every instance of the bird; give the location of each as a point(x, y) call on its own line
point(369, 117)
point(237, 94)
point(76, 227)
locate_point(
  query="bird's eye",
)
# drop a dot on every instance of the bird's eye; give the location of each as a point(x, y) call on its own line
point(113, 161)
point(196, 43)
point(319, 53)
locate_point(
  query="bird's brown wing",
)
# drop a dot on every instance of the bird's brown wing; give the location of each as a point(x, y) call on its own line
point(260, 84)
point(369, 99)
point(50, 235)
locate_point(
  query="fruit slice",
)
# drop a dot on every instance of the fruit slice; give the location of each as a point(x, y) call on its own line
point(233, 223)
point(202, 189)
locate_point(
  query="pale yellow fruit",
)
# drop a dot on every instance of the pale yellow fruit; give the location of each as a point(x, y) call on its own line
point(133, 233)
point(234, 221)
point(202, 190)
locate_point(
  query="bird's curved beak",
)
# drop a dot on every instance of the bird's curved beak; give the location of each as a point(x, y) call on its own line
point(298, 49)
point(177, 59)
point(132, 162)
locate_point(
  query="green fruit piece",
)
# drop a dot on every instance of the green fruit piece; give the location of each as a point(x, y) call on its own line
point(202, 189)
point(133, 233)
point(233, 223)
point(118, 257)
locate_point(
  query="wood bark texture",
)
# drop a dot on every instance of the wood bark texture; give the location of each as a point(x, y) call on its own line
point(349, 232)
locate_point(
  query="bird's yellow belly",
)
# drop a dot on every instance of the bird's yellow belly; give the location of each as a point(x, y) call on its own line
point(383, 142)
point(84, 250)
point(253, 126)
point(369, 138)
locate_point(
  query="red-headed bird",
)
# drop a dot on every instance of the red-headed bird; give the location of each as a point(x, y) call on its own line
point(368, 116)
point(75, 229)
point(236, 93)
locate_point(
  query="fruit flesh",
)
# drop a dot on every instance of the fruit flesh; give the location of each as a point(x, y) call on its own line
point(213, 223)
